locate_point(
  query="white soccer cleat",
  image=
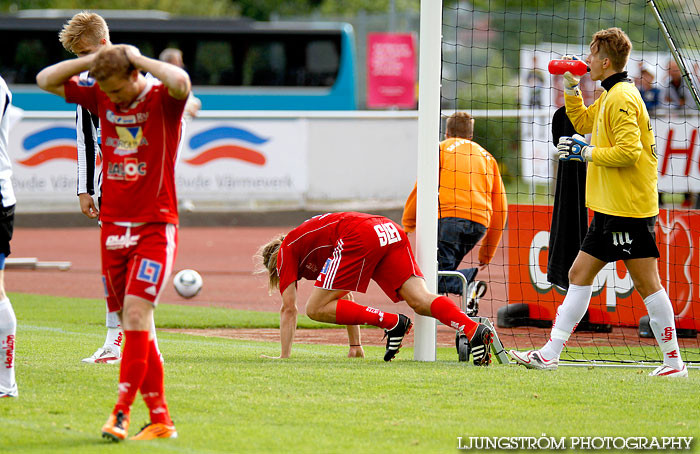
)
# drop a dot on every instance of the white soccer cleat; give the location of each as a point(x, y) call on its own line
point(104, 355)
point(668, 371)
point(533, 360)
point(11, 393)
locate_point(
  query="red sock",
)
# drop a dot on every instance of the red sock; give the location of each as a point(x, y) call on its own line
point(152, 388)
point(449, 314)
point(349, 313)
point(132, 368)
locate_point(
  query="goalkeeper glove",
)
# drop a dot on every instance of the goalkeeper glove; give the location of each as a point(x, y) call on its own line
point(574, 149)
point(571, 81)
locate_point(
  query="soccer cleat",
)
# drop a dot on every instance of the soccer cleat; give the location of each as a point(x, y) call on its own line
point(668, 371)
point(11, 393)
point(480, 344)
point(104, 355)
point(116, 427)
point(155, 430)
point(394, 336)
point(532, 359)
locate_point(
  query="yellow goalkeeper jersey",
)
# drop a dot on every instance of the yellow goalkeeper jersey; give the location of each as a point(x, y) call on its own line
point(622, 177)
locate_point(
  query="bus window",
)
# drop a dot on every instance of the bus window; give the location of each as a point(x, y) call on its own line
point(322, 62)
point(213, 64)
point(30, 58)
point(264, 65)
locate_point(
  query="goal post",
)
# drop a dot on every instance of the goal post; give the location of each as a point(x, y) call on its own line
point(428, 166)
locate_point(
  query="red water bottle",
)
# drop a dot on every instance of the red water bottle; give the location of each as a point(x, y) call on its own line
point(575, 67)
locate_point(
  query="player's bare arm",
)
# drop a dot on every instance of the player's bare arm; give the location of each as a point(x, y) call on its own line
point(87, 205)
point(176, 79)
point(288, 320)
point(53, 77)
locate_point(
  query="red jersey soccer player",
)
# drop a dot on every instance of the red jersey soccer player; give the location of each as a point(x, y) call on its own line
point(140, 121)
point(342, 252)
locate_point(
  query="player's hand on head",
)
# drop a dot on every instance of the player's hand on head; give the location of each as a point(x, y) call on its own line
point(132, 52)
point(574, 148)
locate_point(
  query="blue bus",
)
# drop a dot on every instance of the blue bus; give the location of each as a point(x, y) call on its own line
point(234, 64)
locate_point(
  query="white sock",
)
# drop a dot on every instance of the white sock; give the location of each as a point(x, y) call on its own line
point(112, 319)
point(115, 335)
point(8, 331)
point(663, 326)
point(569, 313)
point(114, 339)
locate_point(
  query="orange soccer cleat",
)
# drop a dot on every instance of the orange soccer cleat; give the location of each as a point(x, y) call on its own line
point(116, 427)
point(155, 430)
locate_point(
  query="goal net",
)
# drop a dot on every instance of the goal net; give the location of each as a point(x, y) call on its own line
point(494, 66)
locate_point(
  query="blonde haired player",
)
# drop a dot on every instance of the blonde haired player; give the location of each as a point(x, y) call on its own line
point(621, 189)
point(342, 252)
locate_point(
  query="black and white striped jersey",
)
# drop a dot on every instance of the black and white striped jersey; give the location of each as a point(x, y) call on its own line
point(87, 126)
point(7, 194)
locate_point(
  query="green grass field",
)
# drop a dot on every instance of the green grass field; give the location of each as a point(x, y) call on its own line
point(225, 398)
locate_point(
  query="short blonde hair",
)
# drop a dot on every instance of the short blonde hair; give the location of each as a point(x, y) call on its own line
point(83, 25)
point(111, 61)
point(461, 125)
point(613, 43)
point(267, 256)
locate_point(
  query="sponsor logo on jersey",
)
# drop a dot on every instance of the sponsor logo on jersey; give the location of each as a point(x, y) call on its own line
point(129, 170)
point(87, 82)
point(55, 142)
point(121, 241)
point(149, 271)
point(132, 119)
point(128, 142)
point(226, 142)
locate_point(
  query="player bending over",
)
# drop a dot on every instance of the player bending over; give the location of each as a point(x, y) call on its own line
point(342, 252)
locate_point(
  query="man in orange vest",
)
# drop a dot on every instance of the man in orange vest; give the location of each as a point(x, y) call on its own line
point(472, 205)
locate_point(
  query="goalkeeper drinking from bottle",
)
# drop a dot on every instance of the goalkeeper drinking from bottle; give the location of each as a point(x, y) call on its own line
point(621, 189)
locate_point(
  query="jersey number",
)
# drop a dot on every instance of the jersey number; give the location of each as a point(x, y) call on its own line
point(387, 233)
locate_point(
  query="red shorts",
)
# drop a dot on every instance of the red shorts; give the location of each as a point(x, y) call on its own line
point(136, 261)
point(376, 249)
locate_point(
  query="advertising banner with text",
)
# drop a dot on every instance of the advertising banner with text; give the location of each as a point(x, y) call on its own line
point(614, 300)
point(391, 70)
point(219, 159)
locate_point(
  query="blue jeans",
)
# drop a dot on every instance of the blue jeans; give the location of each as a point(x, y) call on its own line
point(456, 237)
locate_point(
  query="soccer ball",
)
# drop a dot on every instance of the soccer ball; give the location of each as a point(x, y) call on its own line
point(187, 283)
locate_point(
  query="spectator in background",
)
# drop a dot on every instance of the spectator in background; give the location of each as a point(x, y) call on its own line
point(174, 57)
point(8, 321)
point(676, 94)
point(472, 205)
point(650, 93)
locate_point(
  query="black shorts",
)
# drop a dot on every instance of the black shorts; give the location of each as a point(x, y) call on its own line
point(7, 222)
point(613, 238)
